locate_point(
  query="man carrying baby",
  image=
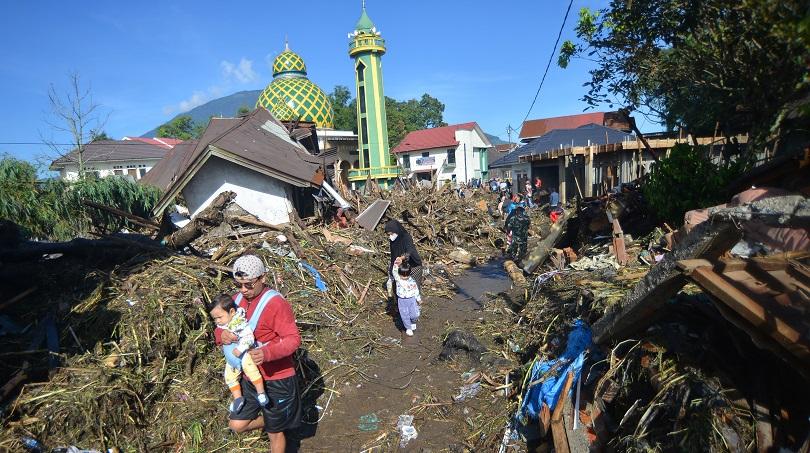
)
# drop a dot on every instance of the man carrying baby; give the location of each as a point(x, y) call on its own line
point(278, 338)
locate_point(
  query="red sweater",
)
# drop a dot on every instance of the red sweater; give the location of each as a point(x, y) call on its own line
point(277, 331)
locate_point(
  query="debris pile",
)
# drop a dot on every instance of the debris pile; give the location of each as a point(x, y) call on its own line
point(138, 370)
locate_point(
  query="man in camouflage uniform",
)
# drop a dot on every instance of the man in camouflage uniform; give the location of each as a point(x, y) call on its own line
point(518, 224)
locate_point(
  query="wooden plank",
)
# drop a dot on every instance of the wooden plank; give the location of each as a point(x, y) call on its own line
point(557, 427)
point(541, 251)
point(751, 311)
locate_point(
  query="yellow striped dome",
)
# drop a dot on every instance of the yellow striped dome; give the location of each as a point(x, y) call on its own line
point(288, 61)
point(291, 96)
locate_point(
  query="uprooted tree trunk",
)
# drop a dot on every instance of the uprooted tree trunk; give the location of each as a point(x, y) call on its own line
point(209, 217)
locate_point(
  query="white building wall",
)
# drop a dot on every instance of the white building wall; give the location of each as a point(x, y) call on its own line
point(104, 169)
point(467, 161)
point(263, 196)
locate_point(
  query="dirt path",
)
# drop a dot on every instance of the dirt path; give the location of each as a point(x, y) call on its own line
point(406, 375)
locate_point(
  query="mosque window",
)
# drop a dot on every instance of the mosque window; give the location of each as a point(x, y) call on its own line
point(364, 130)
point(366, 158)
point(361, 71)
point(361, 93)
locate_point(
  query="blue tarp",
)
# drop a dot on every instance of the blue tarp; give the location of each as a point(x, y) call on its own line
point(548, 391)
point(319, 283)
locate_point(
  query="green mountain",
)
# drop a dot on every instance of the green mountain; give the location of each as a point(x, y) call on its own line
point(228, 106)
point(225, 106)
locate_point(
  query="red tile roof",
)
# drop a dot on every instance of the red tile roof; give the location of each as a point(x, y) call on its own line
point(539, 127)
point(436, 137)
point(163, 142)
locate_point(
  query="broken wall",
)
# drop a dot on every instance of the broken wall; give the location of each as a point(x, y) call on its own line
point(263, 196)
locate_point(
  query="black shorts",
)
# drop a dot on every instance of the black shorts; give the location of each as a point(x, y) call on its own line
point(284, 410)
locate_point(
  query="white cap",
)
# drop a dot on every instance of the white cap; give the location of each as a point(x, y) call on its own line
point(248, 266)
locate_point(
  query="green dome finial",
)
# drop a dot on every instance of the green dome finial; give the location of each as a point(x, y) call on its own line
point(364, 23)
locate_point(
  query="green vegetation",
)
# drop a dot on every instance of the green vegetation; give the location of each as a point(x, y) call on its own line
point(52, 209)
point(182, 127)
point(731, 66)
point(403, 116)
point(687, 179)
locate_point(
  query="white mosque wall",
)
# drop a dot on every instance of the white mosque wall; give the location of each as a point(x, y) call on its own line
point(261, 195)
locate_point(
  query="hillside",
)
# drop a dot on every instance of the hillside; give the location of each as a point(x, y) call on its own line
point(224, 106)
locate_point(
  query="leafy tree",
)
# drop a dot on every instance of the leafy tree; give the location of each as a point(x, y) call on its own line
point(403, 116)
point(411, 115)
point(699, 182)
point(345, 109)
point(697, 65)
point(53, 209)
point(243, 110)
point(182, 128)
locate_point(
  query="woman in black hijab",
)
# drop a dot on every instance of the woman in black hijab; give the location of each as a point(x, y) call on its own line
point(401, 244)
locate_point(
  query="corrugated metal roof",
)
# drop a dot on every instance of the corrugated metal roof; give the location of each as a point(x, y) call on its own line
point(436, 137)
point(257, 141)
point(593, 134)
point(542, 126)
point(164, 173)
point(112, 150)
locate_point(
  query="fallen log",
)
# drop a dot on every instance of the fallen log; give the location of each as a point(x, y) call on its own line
point(209, 217)
point(146, 223)
point(515, 273)
point(543, 249)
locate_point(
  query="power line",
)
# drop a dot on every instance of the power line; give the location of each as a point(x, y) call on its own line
point(550, 58)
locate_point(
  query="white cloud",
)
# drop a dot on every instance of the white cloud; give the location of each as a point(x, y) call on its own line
point(196, 99)
point(243, 71)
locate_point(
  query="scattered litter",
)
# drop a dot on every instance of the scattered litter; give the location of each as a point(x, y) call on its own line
point(369, 422)
point(406, 430)
point(319, 283)
point(467, 391)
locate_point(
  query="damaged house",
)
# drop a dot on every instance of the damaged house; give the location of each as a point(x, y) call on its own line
point(252, 156)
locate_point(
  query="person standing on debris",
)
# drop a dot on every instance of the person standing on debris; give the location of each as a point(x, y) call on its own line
point(278, 334)
point(518, 226)
point(529, 193)
point(408, 297)
point(401, 244)
point(230, 317)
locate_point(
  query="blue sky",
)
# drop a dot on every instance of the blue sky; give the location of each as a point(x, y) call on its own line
point(147, 61)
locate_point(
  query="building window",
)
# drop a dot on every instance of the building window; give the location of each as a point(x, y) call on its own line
point(117, 166)
point(361, 93)
point(366, 159)
point(118, 172)
point(451, 156)
point(364, 131)
point(131, 166)
point(361, 71)
point(406, 161)
point(141, 172)
point(425, 154)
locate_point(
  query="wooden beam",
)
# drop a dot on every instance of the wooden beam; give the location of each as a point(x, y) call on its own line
point(751, 310)
point(557, 425)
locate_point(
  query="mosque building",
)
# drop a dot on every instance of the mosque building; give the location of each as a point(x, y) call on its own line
point(291, 96)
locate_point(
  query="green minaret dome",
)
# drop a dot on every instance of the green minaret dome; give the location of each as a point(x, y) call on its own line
point(291, 96)
point(365, 23)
